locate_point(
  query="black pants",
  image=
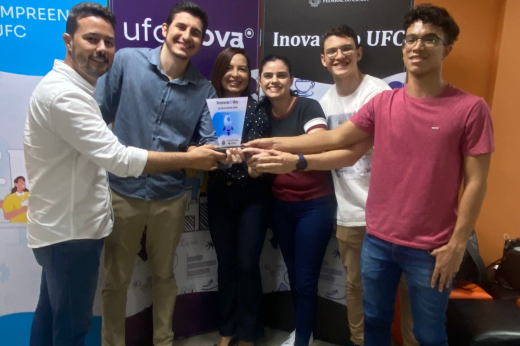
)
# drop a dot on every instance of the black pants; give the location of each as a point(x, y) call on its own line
point(238, 219)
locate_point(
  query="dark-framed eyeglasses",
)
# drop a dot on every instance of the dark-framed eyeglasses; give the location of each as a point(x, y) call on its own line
point(346, 50)
point(428, 41)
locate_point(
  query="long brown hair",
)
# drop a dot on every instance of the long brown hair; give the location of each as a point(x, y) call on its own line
point(221, 66)
point(14, 189)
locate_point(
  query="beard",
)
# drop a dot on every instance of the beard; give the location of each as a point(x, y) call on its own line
point(180, 57)
point(85, 64)
point(169, 45)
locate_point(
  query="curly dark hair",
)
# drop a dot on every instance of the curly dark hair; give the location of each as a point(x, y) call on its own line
point(87, 9)
point(341, 31)
point(438, 16)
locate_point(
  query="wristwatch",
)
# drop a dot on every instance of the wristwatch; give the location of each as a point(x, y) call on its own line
point(302, 163)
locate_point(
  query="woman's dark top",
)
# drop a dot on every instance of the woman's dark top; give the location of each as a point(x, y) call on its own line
point(304, 116)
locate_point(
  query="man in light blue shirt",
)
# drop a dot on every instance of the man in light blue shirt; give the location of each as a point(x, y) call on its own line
point(157, 101)
point(151, 110)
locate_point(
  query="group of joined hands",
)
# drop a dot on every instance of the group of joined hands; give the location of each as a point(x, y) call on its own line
point(259, 155)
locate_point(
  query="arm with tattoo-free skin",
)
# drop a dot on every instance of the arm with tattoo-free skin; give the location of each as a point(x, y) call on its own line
point(449, 257)
point(339, 158)
point(341, 137)
point(200, 158)
point(232, 156)
point(278, 162)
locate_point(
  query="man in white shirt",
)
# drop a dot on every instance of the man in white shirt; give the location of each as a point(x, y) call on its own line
point(352, 89)
point(68, 151)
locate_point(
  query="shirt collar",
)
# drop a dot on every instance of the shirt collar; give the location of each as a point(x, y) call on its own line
point(154, 56)
point(61, 67)
point(190, 76)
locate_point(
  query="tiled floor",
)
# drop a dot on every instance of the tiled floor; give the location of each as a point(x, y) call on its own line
point(273, 337)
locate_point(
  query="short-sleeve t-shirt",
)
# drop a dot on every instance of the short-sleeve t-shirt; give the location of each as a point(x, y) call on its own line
point(15, 201)
point(304, 116)
point(351, 183)
point(417, 167)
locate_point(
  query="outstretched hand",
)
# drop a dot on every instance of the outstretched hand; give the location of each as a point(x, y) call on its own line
point(233, 156)
point(251, 155)
point(261, 143)
point(271, 161)
point(205, 158)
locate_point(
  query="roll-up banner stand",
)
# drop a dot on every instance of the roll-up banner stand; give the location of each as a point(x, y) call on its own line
point(30, 39)
point(232, 23)
point(295, 29)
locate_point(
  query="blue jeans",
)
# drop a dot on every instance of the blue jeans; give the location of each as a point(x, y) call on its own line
point(238, 220)
point(68, 286)
point(303, 230)
point(382, 263)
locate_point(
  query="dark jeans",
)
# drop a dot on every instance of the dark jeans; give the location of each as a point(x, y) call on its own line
point(303, 230)
point(68, 286)
point(238, 219)
point(382, 264)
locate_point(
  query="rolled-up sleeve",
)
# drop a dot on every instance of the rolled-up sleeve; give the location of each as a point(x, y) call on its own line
point(75, 119)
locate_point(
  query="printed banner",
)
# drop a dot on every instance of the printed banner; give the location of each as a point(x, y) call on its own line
point(30, 35)
point(299, 36)
point(31, 38)
point(378, 24)
point(232, 23)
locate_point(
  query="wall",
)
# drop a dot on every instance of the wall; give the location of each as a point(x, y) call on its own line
point(470, 65)
point(501, 210)
point(483, 62)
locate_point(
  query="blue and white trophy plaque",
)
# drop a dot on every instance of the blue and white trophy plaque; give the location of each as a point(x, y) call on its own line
point(228, 115)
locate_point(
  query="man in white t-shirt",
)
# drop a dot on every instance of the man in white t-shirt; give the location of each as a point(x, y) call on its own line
point(352, 89)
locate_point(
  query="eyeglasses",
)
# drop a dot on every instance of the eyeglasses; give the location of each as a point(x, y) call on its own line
point(346, 50)
point(429, 41)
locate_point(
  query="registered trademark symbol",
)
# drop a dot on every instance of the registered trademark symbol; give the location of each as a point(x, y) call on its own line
point(249, 33)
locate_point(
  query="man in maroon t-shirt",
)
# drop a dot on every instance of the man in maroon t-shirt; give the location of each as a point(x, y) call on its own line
point(429, 138)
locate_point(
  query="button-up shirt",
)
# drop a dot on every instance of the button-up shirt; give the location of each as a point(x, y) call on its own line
point(152, 112)
point(68, 151)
